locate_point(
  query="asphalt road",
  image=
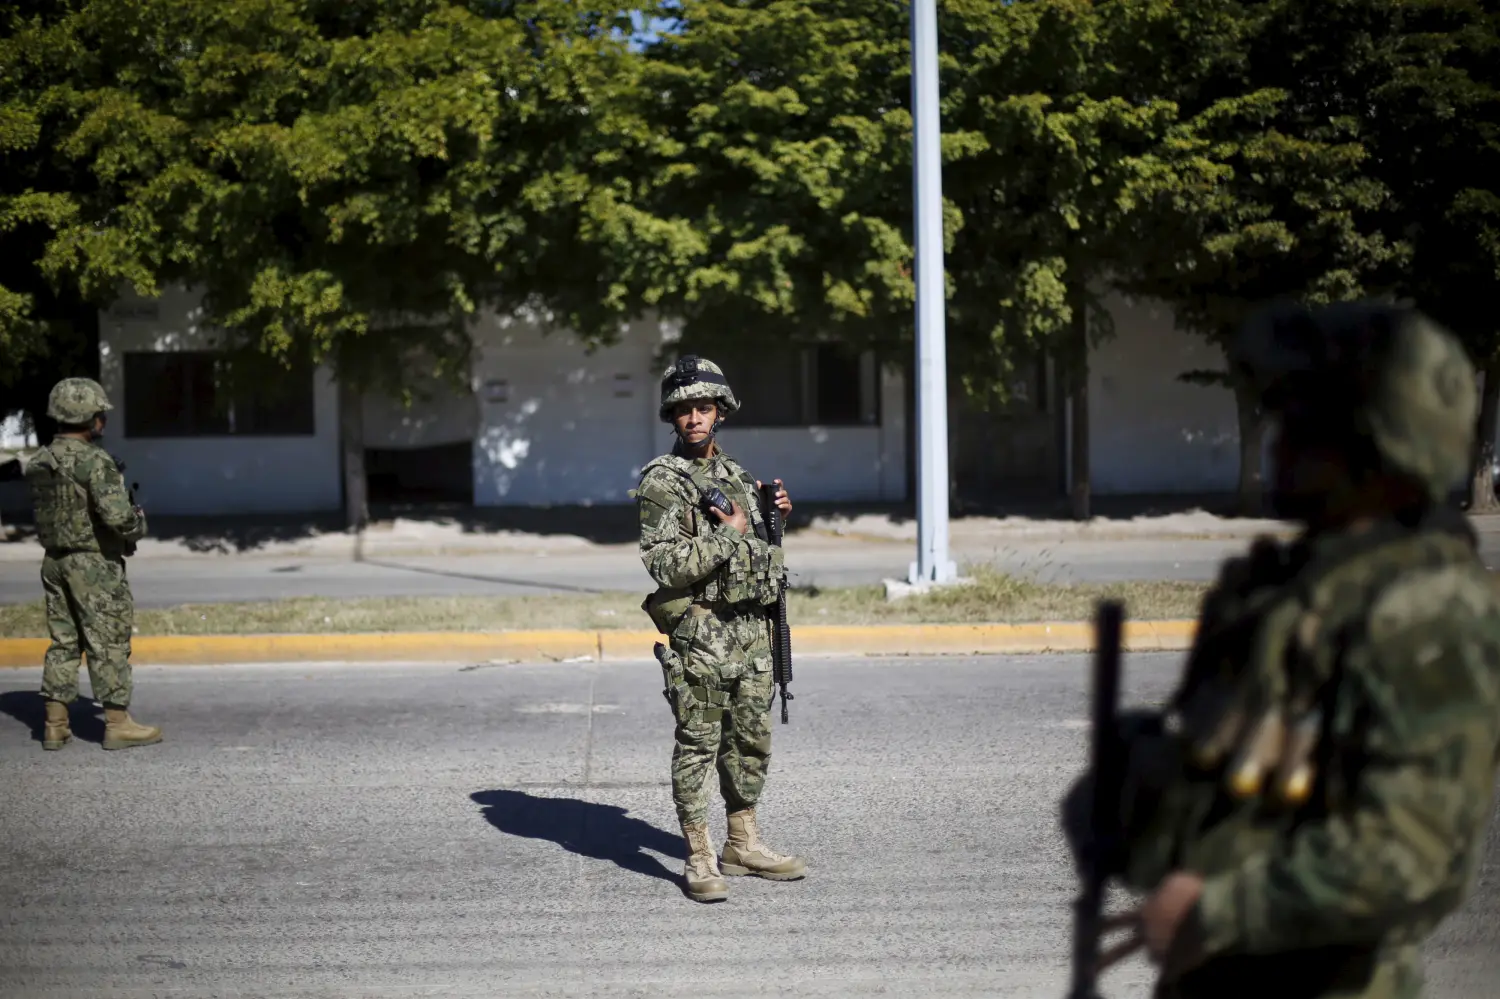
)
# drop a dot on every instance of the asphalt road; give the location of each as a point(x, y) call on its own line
point(364, 831)
point(163, 582)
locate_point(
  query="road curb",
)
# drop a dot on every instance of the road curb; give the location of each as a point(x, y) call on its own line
point(580, 646)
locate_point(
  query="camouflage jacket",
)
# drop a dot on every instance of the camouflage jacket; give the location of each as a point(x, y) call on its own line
point(1328, 764)
point(80, 500)
point(693, 558)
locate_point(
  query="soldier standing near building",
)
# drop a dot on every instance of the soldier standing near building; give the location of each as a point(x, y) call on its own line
point(716, 575)
point(1312, 801)
point(87, 524)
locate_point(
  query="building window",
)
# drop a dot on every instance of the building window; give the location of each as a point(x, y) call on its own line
point(189, 394)
point(787, 386)
point(838, 397)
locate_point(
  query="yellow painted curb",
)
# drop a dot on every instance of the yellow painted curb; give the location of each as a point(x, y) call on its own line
point(559, 646)
point(531, 646)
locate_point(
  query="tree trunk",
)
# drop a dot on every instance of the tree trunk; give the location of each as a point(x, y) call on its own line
point(956, 441)
point(352, 448)
point(909, 396)
point(1079, 393)
point(1482, 482)
point(1252, 452)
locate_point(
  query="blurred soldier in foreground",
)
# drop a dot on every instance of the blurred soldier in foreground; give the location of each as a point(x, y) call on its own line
point(87, 524)
point(1312, 801)
point(702, 542)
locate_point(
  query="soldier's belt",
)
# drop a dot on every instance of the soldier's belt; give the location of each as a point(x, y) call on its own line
point(740, 608)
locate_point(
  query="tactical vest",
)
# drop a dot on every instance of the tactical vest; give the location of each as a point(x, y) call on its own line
point(758, 582)
point(64, 520)
point(1256, 740)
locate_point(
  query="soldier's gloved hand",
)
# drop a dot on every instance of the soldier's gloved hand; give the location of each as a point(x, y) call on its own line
point(736, 520)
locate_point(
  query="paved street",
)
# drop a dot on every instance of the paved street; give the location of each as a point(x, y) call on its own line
point(160, 581)
point(363, 831)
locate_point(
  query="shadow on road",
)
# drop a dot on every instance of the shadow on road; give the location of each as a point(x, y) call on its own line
point(602, 832)
point(26, 707)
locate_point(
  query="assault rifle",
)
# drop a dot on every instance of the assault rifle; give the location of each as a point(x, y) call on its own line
point(1105, 758)
point(781, 632)
point(132, 487)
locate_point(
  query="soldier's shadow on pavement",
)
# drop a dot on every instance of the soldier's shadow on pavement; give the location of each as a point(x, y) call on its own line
point(27, 707)
point(589, 829)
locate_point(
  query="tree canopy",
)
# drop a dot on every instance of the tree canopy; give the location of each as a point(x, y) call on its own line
point(345, 181)
point(350, 180)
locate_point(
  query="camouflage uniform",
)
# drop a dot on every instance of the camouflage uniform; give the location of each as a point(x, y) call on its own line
point(714, 587)
point(87, 524)
point(1328, 761)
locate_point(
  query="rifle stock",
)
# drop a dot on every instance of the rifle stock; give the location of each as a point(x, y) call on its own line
point(781, 632)
point(1105, 765)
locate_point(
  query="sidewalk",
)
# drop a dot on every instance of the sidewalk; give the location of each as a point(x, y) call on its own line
point(411, 537)
point(581, 530)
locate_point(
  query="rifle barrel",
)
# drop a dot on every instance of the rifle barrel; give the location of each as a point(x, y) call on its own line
point(781, 632)
point(1105, 765)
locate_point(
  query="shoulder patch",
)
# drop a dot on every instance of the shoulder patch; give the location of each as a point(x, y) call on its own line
point(669, 462)
point(659, 479)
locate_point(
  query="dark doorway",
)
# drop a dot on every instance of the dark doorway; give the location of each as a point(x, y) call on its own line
point(440, 474)
point(1007, 449)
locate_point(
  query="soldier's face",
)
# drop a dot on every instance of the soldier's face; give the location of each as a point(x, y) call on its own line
point(97, 430)
point(694, 419)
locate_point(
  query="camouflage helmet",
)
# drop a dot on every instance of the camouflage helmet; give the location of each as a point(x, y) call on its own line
point(1389, 373)
point(77, 400)
point(695, 378)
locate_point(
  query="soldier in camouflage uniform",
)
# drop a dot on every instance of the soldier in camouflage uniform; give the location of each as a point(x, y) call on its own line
point(716, 576)
point(1311, 802)
point(87, 524)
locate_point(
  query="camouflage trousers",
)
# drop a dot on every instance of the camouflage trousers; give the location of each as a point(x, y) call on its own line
point(719, 682)
point(89, 609)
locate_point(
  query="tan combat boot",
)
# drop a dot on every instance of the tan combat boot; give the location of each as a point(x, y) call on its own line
point(701, 872)
point(56, 734)
point(744, 853)
point(122, 731)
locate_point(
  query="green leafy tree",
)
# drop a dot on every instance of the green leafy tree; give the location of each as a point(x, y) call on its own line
point(1437, 123)
point(47, 330)
point(346, 182)
point(1270, 191)
point(769, 194)
point(767, 186)
point(1068, 144)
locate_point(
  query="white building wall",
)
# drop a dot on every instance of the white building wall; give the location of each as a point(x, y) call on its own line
point(832, 464)
point(439, 414)
point(212, 475)
point(550, 423)
point(561, 427)
point(15, 435)
point(1148, 431)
